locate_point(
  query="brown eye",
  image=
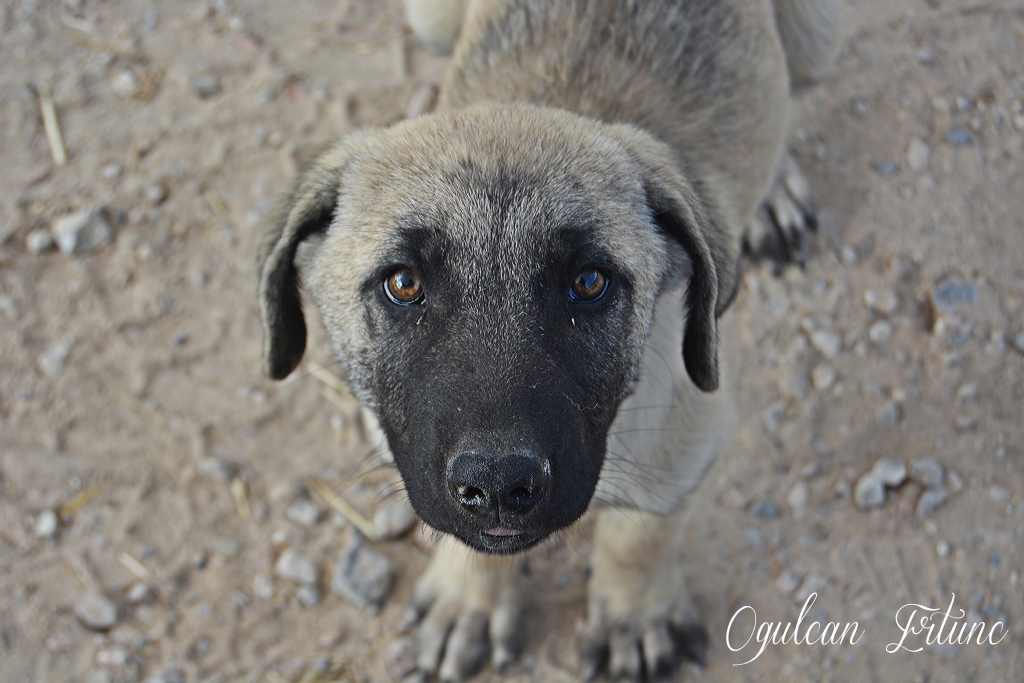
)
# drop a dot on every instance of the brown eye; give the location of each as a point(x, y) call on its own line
point(589, 285)
point(403, 287)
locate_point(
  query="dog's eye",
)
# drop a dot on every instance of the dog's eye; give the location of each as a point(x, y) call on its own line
point(403, 287)
point(589, 285)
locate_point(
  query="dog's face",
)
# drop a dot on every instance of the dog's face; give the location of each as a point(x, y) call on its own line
point(488, 279)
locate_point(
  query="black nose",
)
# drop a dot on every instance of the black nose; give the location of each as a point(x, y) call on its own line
point(513, 483)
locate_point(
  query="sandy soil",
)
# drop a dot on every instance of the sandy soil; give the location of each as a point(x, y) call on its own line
point(132, 404)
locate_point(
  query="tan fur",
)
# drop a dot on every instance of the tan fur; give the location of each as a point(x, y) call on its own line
point(660, 123)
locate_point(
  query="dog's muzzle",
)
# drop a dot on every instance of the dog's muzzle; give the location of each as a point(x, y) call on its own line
point(506, 487)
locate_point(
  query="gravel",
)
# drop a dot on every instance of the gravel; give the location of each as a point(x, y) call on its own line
point(51, 361)
point(869, 491)
point(295, 567)
point(959, 137)
point(1018, 342)
point(394, 519)
point(46, 524)
point(263, 587)
point(880, 332)
point(917, 155)
point(38, 241)
point(81, 231)
point(798, 497)
point(930, 501)
point(881, 301)
point(400, 658)
point(125, 84)
point(888, 415)
point(822, 377)
point(95, 611)
point(927, 472)
point(827, 342)
point(205, 86)
point(362, 575)
point(303, 511)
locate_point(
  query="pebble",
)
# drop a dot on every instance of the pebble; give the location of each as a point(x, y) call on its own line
point(51, 361)
point(394, 519)
point(332, 638)
point(822, 377)
point(217, 469)
point(772, 416)
point(959, 137)
point(869, 491)
point(263, 587)
point(303, 511)
point(95, 611)
point(888, 415)
point(38, 241)
point(880, 332)
point(886, 168)
point(788, 582)
point(400, 658)
point(205, 86)
point(46, 524)
point(917, 155)
point(138, 593)
point(828, 343)
point(951, 293)
point(930, 501)
point(1018, 342)
point(362, 575)
point(927, 472)
point(999, 495)
point(156, 194)
point(964, 423)
point(294, 567)
point(882, 301)
point(309, 596)
point(81, 231)
point(848, 255)
point(125, 84)
point(942, 549)
point(891, 472)
point(766, 509)
point(112, 171)
point(798, 497)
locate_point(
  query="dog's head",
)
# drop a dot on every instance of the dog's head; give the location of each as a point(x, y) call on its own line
point(488, 278)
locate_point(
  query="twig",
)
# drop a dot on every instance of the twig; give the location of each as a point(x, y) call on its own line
point(217, 205)
point(345, 508)
point(327, 377)
point(52, 127)
point(68, 509)
point(241, 499)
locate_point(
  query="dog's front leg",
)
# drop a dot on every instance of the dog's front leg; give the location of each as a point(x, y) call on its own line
point(466, 603)
point(639, 613)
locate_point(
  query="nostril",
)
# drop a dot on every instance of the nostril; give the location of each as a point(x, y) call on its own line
point(471, 497)
point(522, 498)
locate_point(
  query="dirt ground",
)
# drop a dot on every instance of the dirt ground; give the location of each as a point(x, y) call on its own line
point(133, 412)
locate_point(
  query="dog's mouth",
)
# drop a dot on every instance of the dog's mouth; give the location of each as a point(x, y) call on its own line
point(502, 531)
point(502, 540)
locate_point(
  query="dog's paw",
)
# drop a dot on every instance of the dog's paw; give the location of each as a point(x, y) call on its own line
point(466, 605)
point(781, 228)
point(640, 621)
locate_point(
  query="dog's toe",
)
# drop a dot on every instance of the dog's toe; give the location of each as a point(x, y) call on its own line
point(782, 227)
point(651, 653)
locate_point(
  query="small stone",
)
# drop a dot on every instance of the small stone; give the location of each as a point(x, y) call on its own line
point(138, 593)
point(305, 512)
point(1018, 342)
point(263, 587)
point(959, 137)
point(331, 639)
point(394, 519)
point(51, 361)
point(930, 501)
point(294, 567)
point(827, 342)
point(766, 509)
point(772, 416)
point(112, 171)
point(798, 497)
point(156, 194)
point(46, 524)
point(927, 472)
point(890, 472)
point(216, 469)
point(95, 611)
point(822, 377)
point(362, 575)
point(868, 492)
point(942, 549)
point(888, 415)
point(81, 231)
point(205, 86)
point(917, 155)
point(967, 392)
point(952, 293)
point(125, 84)
point(309, 596)
point(885, 168)
point(848, 255)
point(39, 241)
point(880, 332)
point(881, 301)
point(999, 495)
point(788, 582)
point(964, 423)
point(400, 658)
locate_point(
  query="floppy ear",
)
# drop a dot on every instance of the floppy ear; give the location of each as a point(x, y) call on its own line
point(308, 210)
point(683, 211)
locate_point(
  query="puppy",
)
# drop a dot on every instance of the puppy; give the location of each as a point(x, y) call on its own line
point(524, 288)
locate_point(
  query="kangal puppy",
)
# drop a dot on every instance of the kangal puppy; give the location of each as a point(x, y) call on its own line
point(525, 288)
